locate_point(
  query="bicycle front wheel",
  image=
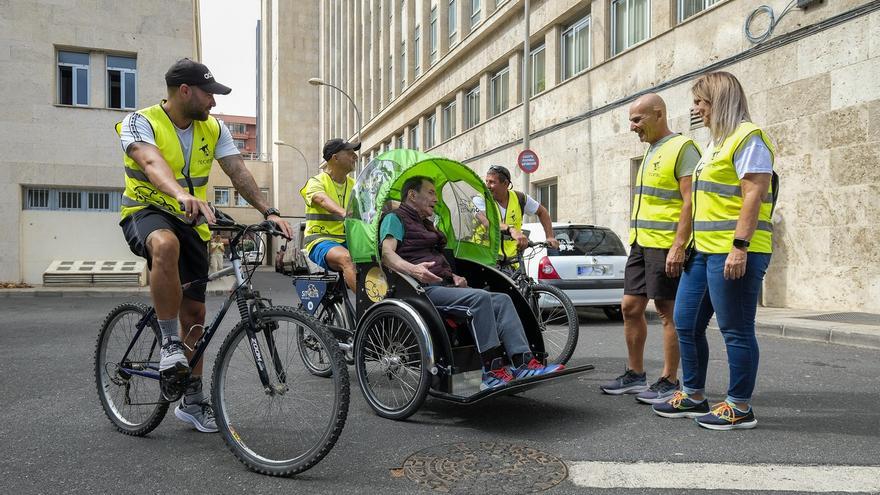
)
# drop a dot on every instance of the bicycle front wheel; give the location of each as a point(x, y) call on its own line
point(128, 385)
point(558, 321)
point(288, 426)
point(313, 354)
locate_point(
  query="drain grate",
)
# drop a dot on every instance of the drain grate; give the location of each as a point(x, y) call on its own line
point(857, 318)
point(485, 468)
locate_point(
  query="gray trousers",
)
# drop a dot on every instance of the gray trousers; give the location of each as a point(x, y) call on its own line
point(494, 318)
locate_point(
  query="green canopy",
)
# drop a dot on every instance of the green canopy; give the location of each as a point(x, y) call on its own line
point(456, 214)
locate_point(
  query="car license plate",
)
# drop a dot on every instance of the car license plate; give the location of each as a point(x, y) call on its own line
point(589, 270)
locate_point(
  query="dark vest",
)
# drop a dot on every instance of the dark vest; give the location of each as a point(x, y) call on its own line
point(422, 242)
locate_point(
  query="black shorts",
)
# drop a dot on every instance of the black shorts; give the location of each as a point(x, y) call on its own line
point(646, 274)
point(193, 262)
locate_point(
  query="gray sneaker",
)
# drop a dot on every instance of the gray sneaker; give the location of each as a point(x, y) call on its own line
point(200, 415)
point(171, 356)
point(659, 392)
point(627, 383)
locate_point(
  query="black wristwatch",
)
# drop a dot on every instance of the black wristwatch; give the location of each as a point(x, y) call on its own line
point(271, 211)
point(741, 243)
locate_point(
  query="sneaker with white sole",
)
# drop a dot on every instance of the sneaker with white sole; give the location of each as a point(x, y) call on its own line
point(173, 369)
point(725, 416)
point(681, 406)
point(200, 415)
point(659, 391)
point(628, 383)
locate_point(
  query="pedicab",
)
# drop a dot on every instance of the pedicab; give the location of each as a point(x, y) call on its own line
point(404, 347)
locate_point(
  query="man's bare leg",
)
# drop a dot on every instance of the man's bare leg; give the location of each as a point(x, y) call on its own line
point(164, 249)
point(339, 260)
point(671, 351)
point(635, 330)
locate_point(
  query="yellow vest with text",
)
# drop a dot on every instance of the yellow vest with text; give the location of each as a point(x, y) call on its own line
point(513, 217)
point(321, 225)
point(657, 201)
point(141, 193)
point(717, 197)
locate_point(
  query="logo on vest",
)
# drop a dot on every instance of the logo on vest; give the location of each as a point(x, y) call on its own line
point(204, 149)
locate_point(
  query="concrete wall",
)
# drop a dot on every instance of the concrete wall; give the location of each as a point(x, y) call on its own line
point(817, 97)
point(51, 236)
point(54, 145)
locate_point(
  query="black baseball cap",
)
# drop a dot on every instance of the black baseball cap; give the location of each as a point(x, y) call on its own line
point(186, 71)
point(500, 170)
point(335, 145)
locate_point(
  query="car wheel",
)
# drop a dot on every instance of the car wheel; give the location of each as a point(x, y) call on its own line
point(614, 313)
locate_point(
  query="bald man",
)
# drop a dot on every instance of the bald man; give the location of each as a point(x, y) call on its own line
point(660, 230)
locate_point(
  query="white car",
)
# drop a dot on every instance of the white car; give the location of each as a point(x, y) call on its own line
point(589, 265)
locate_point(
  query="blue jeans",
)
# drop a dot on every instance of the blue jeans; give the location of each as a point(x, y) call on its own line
point(703, 291)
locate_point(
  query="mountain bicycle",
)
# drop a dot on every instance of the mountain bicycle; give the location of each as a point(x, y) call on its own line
point(273, 414)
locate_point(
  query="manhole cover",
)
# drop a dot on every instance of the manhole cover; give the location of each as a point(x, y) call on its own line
point(485, 468)
point(857, 318)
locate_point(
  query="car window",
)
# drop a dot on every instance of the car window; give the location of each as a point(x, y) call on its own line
point(586, 241)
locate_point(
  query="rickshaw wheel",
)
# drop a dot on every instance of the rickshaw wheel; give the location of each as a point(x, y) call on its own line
point(391, 362)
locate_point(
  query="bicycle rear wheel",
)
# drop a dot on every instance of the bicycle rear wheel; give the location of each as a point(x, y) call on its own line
point(129, 393)
point(313, 354)
point(558, 321)
point(288, 428)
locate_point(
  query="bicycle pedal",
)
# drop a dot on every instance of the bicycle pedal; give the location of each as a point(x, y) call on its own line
point(173, 381)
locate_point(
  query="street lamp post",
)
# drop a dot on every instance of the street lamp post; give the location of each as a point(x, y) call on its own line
point(317, 81)
point(306, 160)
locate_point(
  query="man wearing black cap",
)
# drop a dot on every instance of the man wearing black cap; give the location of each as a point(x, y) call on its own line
point(513, 205)
point(169, 149)
point(327, 196)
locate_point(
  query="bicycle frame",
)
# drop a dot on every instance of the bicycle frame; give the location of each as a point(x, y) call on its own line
point(242, 294)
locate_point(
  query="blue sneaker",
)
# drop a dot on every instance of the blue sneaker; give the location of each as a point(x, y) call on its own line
point(681, 406)
point(628, 383)
point(725, 416)
point(498, 376)
point(532, 367)
point(659, 392)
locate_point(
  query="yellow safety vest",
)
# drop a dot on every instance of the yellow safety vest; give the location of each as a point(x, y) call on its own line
point(140, 192)
point(322, 225)
point(717, 197)
point(657, 201)
point(513, 217)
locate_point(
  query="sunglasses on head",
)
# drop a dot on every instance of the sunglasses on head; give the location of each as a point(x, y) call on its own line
point(500, 171)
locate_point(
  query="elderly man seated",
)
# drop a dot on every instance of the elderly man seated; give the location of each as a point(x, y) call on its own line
point(412, 245)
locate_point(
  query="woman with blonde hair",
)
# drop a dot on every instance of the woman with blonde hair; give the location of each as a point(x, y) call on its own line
point(733, 196)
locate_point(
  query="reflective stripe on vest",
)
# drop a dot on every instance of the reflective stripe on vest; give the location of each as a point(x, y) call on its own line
point(321, 224)
point(140, 192)
point(657, 200)
point(717, 197)
point(513, 218)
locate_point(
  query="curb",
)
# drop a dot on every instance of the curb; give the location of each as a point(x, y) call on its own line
point(79, 293)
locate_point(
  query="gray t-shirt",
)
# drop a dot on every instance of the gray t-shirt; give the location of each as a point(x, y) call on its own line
point(136, 129)
point(687, 161)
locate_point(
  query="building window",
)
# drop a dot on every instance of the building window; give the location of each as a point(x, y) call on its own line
point(221, 196)
point(630, 23)
point(430, 129)
point(537, 79)
point(433, 35)
point(73, 78)
point(417, 70)
point(547, 197)
point(576, 48)
point(399, 142)
point(476, 12)
point(414, 137)
point(37, 199)
point(453, 28)
point(687, 8)
point(472, 108)
point(72, 199)
point(402, 65)
point(239, 199)
point(499, 88)
point(240, 143)
point(236, 127)
point(121, 82)
point(448, 121)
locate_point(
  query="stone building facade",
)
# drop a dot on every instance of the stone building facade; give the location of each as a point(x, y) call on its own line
point(812, 84)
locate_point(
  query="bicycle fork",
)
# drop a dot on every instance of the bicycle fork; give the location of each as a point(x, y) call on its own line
point(255, 325)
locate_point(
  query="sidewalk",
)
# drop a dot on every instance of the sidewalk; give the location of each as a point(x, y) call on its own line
point(845, 328)
point(832, 327)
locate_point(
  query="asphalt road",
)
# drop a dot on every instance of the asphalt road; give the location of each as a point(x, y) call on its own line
point(817, 404)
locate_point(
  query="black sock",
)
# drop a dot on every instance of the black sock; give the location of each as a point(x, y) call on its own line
point(492, 359)
point(521, 359)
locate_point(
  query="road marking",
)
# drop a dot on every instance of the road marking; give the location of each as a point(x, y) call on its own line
point(758, 477)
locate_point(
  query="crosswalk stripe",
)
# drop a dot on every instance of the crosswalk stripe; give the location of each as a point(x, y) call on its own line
point(756, 477)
